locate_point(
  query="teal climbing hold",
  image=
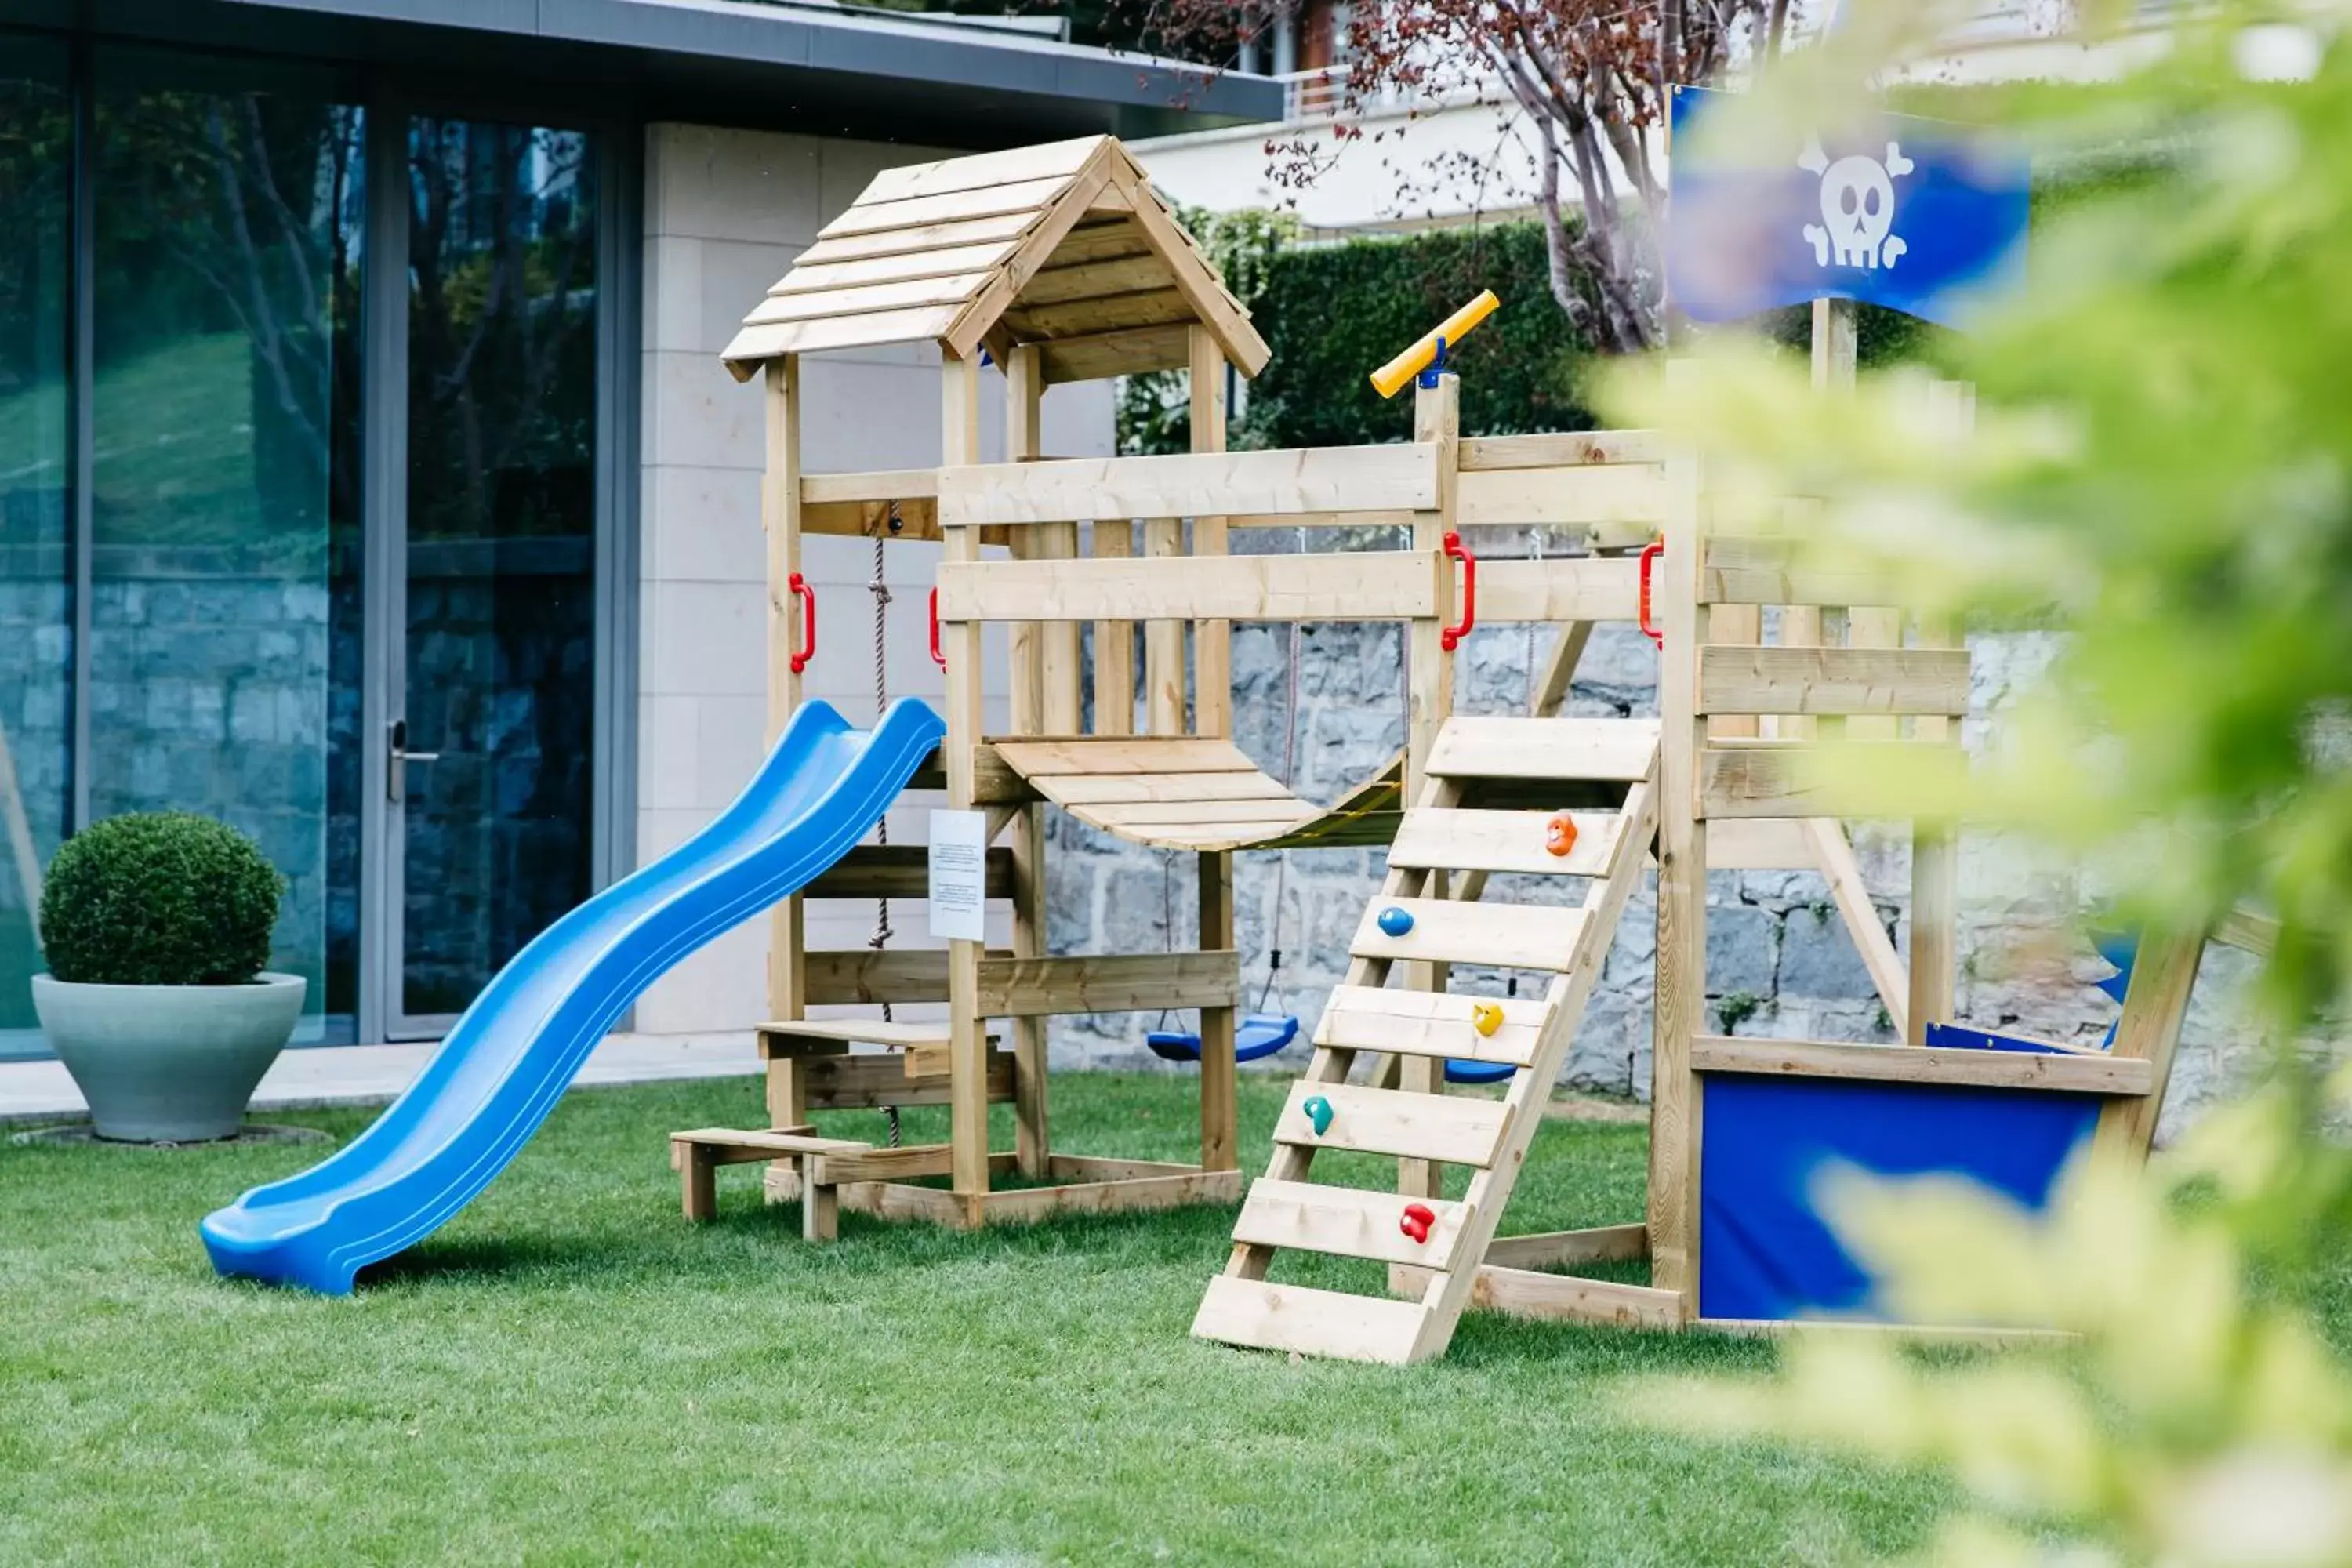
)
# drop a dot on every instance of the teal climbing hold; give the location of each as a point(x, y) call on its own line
point(1396, 921)
point(1318, 1111)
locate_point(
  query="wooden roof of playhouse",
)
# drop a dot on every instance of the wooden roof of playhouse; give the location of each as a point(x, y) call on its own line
point(1064, 246)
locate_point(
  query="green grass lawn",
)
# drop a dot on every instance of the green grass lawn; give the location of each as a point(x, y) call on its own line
point(570, 1373)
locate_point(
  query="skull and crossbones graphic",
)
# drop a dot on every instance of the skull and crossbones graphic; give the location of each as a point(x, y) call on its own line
point(1857, 206)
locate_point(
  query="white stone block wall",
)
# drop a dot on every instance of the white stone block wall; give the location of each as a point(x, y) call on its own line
point(726, 212)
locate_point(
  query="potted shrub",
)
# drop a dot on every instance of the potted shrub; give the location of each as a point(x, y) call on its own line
point(155, 927)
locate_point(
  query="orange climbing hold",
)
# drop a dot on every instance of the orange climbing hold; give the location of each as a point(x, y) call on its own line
point(1560, 834)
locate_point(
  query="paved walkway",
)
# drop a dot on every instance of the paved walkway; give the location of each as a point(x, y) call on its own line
point(374, 1075)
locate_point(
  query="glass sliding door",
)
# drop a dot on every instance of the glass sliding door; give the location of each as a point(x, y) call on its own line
point(36, 136)
point(492, 734)
point(223, 611)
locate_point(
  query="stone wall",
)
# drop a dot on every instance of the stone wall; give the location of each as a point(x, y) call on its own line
point(1780, 962)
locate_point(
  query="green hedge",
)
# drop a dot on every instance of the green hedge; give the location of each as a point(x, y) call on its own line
point(1335, 313)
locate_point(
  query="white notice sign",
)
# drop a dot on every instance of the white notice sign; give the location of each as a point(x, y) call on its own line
point(959, 875)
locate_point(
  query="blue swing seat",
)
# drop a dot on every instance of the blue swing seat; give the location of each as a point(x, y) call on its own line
point(1459, 1069)
point(1259, 1034)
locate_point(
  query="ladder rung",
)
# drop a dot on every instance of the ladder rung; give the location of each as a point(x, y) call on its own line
point(1495, 746)
point(1347, 1221)
point(1510, 936)
point(1318, 1323)
point(1453, 1130)
point(1429, 1024)
point(1441, 839)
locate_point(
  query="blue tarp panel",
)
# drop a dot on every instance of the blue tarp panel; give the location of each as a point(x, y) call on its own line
point(1765, 1253)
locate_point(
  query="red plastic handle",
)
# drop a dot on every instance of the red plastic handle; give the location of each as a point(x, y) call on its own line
point(1451, 637)
point(937, 657)
point(1650, 553)
point(807, 596)
point(1418, 1219)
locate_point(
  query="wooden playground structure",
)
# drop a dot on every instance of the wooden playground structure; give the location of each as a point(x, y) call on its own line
point(1058, 264)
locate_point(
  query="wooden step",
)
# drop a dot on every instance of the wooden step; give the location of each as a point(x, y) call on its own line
point(1265, 1316)
point(740, 1145)
point(1509, 936)
point(1439, 839)
point(1429, 1024)
point(1495, 747)
point(1347, 1221)
point(1453, 1130)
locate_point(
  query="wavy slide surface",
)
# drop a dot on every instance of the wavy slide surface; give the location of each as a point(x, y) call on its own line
point(510, 1059)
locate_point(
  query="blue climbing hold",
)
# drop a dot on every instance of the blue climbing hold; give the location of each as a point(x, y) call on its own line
point(1395, 922)
point(1318, 1111)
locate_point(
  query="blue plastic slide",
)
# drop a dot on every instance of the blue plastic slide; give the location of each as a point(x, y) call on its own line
point(510, 1059)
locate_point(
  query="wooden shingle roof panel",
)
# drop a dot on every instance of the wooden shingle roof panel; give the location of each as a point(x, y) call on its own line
point(1061, 244)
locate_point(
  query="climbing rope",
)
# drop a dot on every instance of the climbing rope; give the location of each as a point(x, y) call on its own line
point(881, 592)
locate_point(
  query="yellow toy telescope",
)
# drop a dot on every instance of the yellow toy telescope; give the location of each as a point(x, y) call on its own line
point(1390, 379)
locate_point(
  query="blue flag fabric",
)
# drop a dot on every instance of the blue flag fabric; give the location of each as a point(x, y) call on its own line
point(1922, 216)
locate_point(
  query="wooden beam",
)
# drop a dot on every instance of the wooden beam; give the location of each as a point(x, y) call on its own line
point(1564, 449)
point(1118, 982)
point(2067, 1072)
point(1562, 1298)
point(1832, 680)
point(1565, 588)
point(1087, 490)
point(1580, 499)
point(1134, 1195)
point(898, 871)
point(1370, 586)
point(1569, 1248)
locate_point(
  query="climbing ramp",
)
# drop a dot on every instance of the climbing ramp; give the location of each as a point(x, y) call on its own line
point(1180, 792)
point(1394, 1003)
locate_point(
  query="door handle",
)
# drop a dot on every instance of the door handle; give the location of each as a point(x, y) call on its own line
point(397, 758)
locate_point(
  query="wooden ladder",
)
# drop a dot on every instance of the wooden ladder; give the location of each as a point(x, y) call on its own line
point(1443, 833)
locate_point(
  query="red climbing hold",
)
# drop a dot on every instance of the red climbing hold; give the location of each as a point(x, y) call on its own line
point(1418, 1219)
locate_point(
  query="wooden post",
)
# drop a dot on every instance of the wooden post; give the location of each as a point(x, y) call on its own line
point(1681, 983)
point(1114, 643)
point(1833, 369)
point(1025, 388)
point(780, 516)
point(1436, 417)
point(1213, 715)
point(1164, 642)
point(959, 641)
point(2164, 972)
point(1936, 846)
point(1212, 664)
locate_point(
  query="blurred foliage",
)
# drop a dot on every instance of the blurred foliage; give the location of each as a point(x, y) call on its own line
point(2160, 461)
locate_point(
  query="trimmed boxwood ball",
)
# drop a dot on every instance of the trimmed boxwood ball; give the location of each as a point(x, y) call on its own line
point(162, 897)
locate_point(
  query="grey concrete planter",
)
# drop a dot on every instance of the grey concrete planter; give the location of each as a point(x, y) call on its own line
point(168, 1063)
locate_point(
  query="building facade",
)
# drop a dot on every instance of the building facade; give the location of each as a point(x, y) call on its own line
point(368, 478)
